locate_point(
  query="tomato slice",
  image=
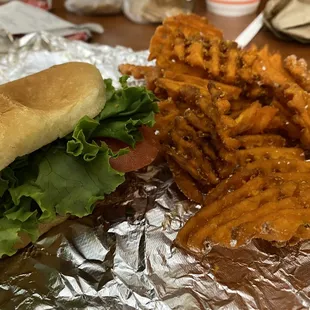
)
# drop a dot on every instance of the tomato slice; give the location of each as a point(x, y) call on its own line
point(142, 155)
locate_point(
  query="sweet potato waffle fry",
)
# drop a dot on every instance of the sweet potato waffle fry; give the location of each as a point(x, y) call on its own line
point(149, 73)
point(171, 38)
point(298, 69)
point(229, 92)
point(293, 97)
point(234, 126)
point(252, 203)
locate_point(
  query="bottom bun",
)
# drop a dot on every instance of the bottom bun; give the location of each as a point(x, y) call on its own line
point(43, 228)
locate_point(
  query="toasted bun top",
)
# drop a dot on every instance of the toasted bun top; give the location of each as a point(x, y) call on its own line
point(38, 109)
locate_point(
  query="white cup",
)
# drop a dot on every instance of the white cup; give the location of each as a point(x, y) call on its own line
point(232, 7)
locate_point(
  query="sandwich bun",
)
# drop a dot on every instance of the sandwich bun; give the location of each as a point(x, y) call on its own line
point(38, 109)
point(43, 228)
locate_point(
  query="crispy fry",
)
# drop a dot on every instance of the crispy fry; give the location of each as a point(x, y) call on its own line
point(199, 98)
point(191, 26)
point(244, 174)
point(200, 219)
point(138, 72)
point(174, 88)
point(180, 67)
point(233, 58)
point(298, 101)
point(149, 73)
point(239, 105)
point(254, 119)
point(284, 121)
point(230, 220)
point(302, 233)
point(199, 122)
point(229, 92)
point(186, 151)
point(213, 57)
point(283, 224)
point(269, 68)
point(223, 124)
point(185, 182)
point(195, 55)
point(242, 157)
point(161, 43)
point(183, 27)
point(273, 221)
point(179, 48)
point(165, 118)
point(299, 71)
point(253, 141)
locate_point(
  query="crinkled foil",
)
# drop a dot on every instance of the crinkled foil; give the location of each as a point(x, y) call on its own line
point(122, 257)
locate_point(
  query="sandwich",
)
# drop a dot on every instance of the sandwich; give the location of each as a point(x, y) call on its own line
point(67, 136)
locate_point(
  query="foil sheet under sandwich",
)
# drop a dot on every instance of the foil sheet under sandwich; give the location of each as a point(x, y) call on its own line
point(122, 257)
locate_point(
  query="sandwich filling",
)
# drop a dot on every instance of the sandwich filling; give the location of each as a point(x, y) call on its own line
point(68, 176)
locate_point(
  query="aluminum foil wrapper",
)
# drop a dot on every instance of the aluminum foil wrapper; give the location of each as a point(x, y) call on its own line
point(122, 256)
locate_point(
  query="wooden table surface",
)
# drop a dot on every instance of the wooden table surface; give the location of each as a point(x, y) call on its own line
point(121, 31)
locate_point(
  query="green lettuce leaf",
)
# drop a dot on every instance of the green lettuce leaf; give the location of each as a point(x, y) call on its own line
point(79, 144)
point(15, 223)
point(9, 235)
point(66, 184)
point(70, 175)
point(126, 110)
